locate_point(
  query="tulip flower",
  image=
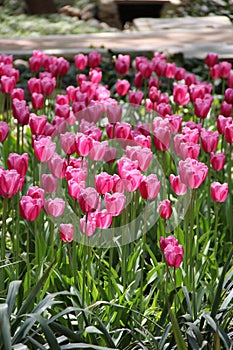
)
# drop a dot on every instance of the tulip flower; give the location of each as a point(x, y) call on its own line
point(36, 192)
point(94, 59)
point(219, 191)
point(88, 199)
point(174, 255)
point(57, 165)
point(211, 59)
point(37, 101)
point(37, 124)
point(4, 130)
point(192, 172)
point(122, 87)
point(54, 206)
point(103, 219)
point(80, 61)
point(165, 241)
point(44, 148)
point(178, 187)
point(88, 225)
point(114, 203)
point(226, 109)
point(66, 232)
point(104, 183)
point(217, 161)
point(20, 111)
point(165, 209)
point(149, 187)
point(209, 140)
point(49, 183)
point(9, 183)
point(18, 162)
point(30, 207)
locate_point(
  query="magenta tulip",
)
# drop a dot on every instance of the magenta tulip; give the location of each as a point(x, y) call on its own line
point(219, 191)
point(66, 232)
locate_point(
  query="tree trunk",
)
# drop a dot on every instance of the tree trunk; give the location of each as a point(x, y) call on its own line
point(37, 7)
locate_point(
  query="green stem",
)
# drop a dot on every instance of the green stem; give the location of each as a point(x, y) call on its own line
point(208, 187)
point(3, 243)
point(230, 219)
point(28, 259)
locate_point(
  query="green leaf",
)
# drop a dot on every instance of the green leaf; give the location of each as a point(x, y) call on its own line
point(12, 294)
point(5, 330)
point(20, 347)
point(188, 302)
point(93, 329)
point(85, 346)
point(181, 345)
point(218, 293)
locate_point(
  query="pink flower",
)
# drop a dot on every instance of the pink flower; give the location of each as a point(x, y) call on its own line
point(88, 199)
point(222, 122)
point(178, 187)
point(9, 183)
point(44, 148)
point(202, 107)
point(142, 155)
point(229, 95)
point(18, 93)
point(226, 109)
point(84, 144)
point(57, 165)
point(80, 61)
point(103, 219)
point(88, 225)
point(19, 162)
point(162, 138)
point(229, 133)
point(122, 87)
point(219, 191)
point(67, 141)
point(98, 150)
point(192, 172)
point(114, 203)
point(49, 183)
point(37, 123)
point(181, 94)
point(209, 140)
point(149, 187)
point(135, 97)
point(66, 232)
point(165, 241)
point(114, 113)
point(224, 69)
point(48, 85)
point(36, 192)
point(165, 209)
point(104, 183)
point(174, 255)
point(74, 187)
point(37, 101)
point(94, 59)
point(4, 130)
point(62, 111)
point(30, 207)
point(132, 179)
point(122, 64)
point(54, 207)
point(34, 86)
point(20, 111)
point(217, 161)
point(7, 84)
point(211, 59)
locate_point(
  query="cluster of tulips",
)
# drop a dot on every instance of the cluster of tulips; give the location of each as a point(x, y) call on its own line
point(71, 135)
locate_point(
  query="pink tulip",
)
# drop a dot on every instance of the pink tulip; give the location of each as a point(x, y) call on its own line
point(180, 94)
point(49, 183)
point(66, 232)
point(217, 161)
point(88, 225)
point(37, 124)
point(170, 70)
point(209, 140)
point(219, 191)
point(57, 165)
point(62, 111)
point(135, 97)
point(122, 87)
point(30, 207)
point(211, 59)
point(132, 179)
point(122, 64)
point(122, 131)
point(192, 172)
point(7, 84)
point(84, 144)
point(149, 187)
point(165, 241)
point(175, 122)
point(18, 93)
point(48, 85)
point(88, 199)
point(35, 63)
point(162, 138)
point(142, 155)
point(110, 154)
point(103, 219)
point(63, 66)
point(36, 192)
point(138, 80)
point(189, 150)
point(190, 79)
point(174, 255)
point(225, 69)
point(124, 163)
point(114, 203)
point(229, 96)
point(20, 111)
point(9, 183)
point(4, 130)
point(74, 187)
point(215, 71)
point(104, 183)
point(164, 109)
point(44, 148)
point(178, 187)
point(18, 162)
point(68, 142)
point(165, 209)
point(37, 101)
point(143, 141)
point(229, 133)
point(34, 86)
point(80, 61)
point(54, 206)
point(226, 109)
point(180, 73)
point(202, 107)
point(98, 150)
point(230, 80)
point(114, 113)
point(94, 59)
point(222, 122)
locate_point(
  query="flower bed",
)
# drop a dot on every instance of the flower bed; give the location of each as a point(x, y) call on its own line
point(116, 204)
